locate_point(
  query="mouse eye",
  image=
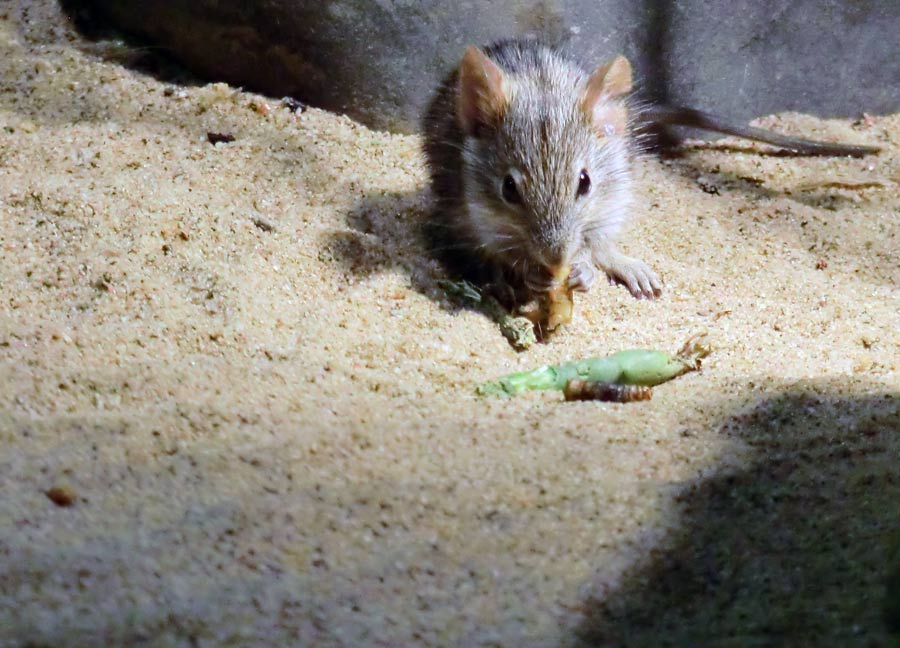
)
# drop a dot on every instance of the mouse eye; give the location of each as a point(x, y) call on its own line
point(584, 183)
point(510, 191)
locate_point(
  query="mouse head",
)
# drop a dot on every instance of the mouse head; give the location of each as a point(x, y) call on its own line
point(545, 153)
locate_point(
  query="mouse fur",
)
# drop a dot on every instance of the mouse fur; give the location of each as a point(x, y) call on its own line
point(530, 158)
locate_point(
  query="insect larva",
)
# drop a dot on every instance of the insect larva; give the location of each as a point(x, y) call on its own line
point(583, 390)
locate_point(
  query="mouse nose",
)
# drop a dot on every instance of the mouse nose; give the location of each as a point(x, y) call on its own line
point(559, 272)
point(555, 274)
point(552, 254)
point(553, 261)
point(543, 277)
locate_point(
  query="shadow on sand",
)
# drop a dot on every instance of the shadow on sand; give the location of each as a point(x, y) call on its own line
point(387, 232)
point(790, 551)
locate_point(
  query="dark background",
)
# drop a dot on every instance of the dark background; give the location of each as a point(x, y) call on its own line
point(378, 61)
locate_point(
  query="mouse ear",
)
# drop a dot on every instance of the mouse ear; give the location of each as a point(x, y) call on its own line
point(608, 81)
point(482, 92)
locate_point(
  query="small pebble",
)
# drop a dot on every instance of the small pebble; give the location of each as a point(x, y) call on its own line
point(294, 105)
point(61, 496)
point(215, 138)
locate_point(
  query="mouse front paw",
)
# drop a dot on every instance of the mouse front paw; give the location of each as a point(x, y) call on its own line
point(582, 276)
point(636, 276)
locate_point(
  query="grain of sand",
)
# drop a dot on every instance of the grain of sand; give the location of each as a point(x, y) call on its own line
point(235, 362)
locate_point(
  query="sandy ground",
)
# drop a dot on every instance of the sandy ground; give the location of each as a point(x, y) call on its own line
point(236, 360)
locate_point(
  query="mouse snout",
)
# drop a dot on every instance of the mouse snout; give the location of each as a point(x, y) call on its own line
point(559, 273)
point(548, 274)
point(550, 252)
point(551, 258)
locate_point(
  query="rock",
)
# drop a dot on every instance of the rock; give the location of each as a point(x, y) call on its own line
point(378, 61)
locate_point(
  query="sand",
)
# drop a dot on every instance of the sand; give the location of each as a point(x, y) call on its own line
point(237, 363)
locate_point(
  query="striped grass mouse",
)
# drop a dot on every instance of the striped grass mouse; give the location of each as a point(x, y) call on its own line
point(530, 159)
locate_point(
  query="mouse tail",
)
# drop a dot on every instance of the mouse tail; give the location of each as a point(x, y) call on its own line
point(691, 118)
